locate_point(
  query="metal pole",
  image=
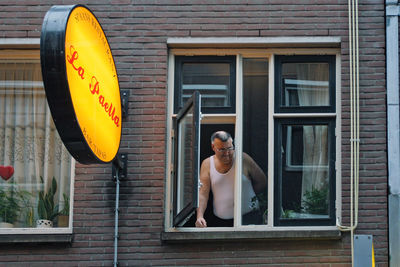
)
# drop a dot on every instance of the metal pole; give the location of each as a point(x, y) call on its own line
point(117, 182)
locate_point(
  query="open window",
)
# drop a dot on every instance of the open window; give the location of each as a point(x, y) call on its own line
point(281, 110)
point(187, 159)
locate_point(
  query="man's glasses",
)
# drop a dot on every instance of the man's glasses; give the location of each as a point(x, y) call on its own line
point(222, 150)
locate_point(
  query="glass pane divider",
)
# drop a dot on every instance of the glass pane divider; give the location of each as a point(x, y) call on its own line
point(271, 142)
point(303, 115)
point(237, 215)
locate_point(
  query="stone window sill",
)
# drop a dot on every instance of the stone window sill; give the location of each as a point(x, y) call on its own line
point(199, 236)
point(35, 238)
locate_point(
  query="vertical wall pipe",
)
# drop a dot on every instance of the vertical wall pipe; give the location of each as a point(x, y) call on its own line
point(393, 128)
point(117, 182)
point(119, 169)
point(354, 120)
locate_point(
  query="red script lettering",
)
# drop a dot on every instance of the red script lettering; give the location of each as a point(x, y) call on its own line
point(94, 86)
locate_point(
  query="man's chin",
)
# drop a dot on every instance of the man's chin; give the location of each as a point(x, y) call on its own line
point(226, 160)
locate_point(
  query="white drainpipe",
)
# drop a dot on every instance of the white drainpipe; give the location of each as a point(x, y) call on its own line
point(354, 121)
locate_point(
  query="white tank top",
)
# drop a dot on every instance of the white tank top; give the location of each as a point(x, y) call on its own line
point(222, 186)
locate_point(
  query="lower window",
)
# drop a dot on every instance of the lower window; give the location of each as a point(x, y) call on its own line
point(35, 167)
point(304, 183)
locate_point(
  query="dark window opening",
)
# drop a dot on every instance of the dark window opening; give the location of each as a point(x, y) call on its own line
point(213, 77)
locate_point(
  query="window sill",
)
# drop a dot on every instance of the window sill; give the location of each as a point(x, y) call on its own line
point(35, 238)
point(204, 236)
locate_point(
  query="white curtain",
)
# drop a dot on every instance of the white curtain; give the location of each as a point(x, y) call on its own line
point(313, 90)
point(28, 139)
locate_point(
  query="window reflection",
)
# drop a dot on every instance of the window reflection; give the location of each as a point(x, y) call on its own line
point(305, 172)
point(185, 172)
point(210, 79)
point(305, 84)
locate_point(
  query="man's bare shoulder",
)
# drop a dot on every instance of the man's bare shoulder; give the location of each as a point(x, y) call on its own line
point(205, 163)
point(205, 170)
point(248, 162)
point(246, 158)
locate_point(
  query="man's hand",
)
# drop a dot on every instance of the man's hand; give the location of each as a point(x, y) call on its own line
point(201, 222)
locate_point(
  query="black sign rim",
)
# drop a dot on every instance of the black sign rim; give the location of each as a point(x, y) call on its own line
point(54, 74)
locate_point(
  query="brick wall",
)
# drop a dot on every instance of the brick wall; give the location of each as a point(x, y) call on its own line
point(137, 32)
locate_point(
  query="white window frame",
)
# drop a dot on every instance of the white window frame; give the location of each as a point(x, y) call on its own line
point(262, 48)
point(10, 47)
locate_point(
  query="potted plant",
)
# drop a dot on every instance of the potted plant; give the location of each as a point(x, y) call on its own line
point(29, 216)
point(47, 210)
point(316, 201)
point(12, 201)
point(11, 204)
point(63, 218)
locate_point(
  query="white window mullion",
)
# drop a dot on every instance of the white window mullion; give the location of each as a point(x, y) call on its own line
point(271, 144)
point(169, 195)
point(338, 139)
point(238, 142)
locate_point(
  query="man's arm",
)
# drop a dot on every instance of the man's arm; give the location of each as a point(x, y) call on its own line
point(257, 176)
point(203, 192)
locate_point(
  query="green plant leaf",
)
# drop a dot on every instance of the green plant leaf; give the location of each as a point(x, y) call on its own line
point(316, 201)
point(46, 207)
point(12, 202)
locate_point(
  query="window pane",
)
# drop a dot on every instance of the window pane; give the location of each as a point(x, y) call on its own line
point(32, 157)
point(305, 84)
point(212, 80)
point(185, 172)
point(305, 172)
point(255, 136)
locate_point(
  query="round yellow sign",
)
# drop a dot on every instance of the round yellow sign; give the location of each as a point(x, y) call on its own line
point(93, 83)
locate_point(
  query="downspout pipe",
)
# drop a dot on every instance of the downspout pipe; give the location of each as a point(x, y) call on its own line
point(393, 128)
point(354, 121)
point(118, 171)
point(116, 236)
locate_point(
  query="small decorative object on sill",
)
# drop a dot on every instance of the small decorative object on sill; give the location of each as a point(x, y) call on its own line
point(6, 225)
point(47, 210)
point(44, 224)
point(63, 218)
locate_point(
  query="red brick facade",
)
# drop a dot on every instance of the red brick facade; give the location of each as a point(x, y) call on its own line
point(138, 32)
